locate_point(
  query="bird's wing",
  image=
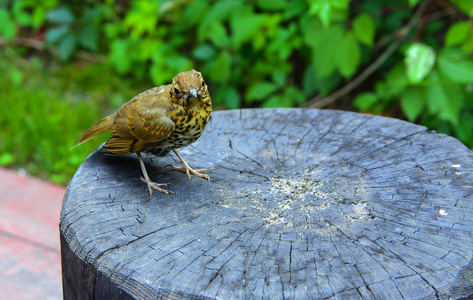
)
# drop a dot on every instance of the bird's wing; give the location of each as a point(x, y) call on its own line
point(139, 126)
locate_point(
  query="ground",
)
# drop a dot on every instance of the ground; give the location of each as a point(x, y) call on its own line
point(29, 237)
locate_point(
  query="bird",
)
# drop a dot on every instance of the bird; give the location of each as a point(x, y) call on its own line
point(157, 121)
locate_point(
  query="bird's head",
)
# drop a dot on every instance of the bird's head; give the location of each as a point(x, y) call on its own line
point(189, 86)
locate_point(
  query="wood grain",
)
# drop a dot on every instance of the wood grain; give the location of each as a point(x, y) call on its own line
point(303, 203)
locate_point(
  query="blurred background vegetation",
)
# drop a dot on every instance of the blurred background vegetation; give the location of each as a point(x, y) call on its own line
point(65, 64)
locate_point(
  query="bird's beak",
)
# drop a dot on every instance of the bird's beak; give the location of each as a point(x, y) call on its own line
point(193, 92)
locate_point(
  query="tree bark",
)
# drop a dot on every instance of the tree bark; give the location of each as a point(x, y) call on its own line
point(303, 203)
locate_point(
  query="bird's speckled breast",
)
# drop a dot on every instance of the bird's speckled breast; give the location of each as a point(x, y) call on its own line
point(189, 127)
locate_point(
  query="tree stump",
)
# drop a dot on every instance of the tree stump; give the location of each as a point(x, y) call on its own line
point(303, 203)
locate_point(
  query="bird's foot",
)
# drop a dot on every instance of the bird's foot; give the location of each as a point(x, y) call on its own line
point(188, 170)
point(155, 186)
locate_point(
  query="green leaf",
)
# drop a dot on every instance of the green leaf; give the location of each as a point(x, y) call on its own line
point(37, 17)
point(92, 16)
point(260, 90)
point(396, 81)
point(53, 35)
point(412, 102)
point(204, 52)
point(17, 77)
point(218, 35)
point(88, 37)
point(217, 12)
point(467, 47)
point(60, 15)
point(328, 10)
point(230, 97)
point(295, 9)
point(258, 40)
point(74, 160)
point(221, 9)
point(324, 10)
point(119, 55)
point(464, 130)
point(465, 5)
point(166, 63)
point(326, 85)
point(364, 30)
point(244, 24)
point(279, 77)
point(142, 17)
point(6, 159)
point(147, 47)
point(192, 15)
point(7, 27)
point(419, 61)
point(437, 99)
point(324, 42)
point(20, 15)
point(455, 93)
point(308, 80)
point(311, 29)
point(67, 46)
point(457, 33)
point(293, 96)
point(413, 2)
point(455, 66)
point(276, 101)
point(89, 30)
point(348, 55)
point(280, 46)
point(365, 101)
point(220, 68)
point(272, 4)
point(445, 98)
point(58, 178)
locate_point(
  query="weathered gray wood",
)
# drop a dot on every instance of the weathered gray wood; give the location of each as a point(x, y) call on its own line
point(302, 204)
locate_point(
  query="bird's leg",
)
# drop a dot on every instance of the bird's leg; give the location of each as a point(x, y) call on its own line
point(151, 185)
point(188, 170)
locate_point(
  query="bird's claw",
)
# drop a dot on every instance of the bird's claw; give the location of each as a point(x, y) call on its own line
point(156, 186)
point(188, 170)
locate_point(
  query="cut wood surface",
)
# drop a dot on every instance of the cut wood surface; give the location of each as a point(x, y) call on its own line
point(303, 203)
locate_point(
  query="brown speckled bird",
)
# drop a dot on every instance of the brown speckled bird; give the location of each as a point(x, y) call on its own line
point(157, 121)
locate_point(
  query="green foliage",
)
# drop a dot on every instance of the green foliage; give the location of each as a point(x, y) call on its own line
point(22, 13)
point(41, 113)
point(436, 91)
point(69, 32)
point(433, 86)
point(239, 45)
point(411, 59)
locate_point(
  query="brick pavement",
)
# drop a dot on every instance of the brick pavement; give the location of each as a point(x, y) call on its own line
point(30, 257)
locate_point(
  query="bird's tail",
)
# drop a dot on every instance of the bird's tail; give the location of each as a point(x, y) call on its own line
point(95, 130)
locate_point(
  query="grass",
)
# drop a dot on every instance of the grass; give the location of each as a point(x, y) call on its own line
point(43, 108)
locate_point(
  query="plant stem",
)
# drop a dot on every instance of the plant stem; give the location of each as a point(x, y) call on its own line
point(401, 34)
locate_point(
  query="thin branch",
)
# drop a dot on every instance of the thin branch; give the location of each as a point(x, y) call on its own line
point(319, 102)
point(449, 11)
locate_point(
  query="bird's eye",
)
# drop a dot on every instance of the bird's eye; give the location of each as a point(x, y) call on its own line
point(176, 91)
point(203, 83)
